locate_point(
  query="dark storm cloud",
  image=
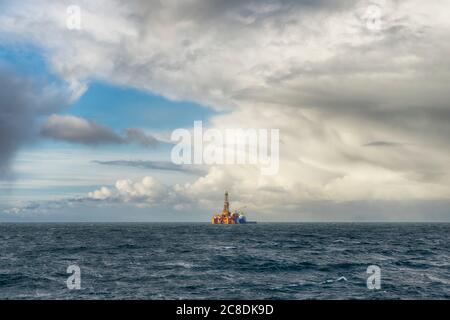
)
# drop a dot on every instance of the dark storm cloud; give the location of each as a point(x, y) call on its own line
point(212, 10)
point(22, 102)
point(231, 15)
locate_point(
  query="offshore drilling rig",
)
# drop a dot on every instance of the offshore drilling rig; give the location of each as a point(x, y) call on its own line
point(226, 217)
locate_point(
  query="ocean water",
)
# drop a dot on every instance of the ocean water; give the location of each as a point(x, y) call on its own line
point(202, 261)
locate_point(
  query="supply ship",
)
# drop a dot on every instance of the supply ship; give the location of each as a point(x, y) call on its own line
point(226, 217)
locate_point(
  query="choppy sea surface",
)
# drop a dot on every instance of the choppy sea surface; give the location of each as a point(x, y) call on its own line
point(202, 261)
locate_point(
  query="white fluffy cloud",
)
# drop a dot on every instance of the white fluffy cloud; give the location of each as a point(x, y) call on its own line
point(149, 191)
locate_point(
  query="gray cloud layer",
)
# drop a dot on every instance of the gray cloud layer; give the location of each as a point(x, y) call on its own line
point(339, 92)
point(78, 130)
point(152, 165)
point(22, 102)
point(139, 136)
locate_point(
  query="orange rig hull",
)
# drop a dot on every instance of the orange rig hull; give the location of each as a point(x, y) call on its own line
point(226, 218)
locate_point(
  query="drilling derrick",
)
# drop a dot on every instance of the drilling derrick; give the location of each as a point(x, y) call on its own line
point(226, 204)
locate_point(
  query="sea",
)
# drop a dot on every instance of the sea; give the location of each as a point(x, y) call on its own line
point(202, 261)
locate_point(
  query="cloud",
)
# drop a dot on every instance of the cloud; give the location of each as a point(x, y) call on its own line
point(325, 211)
point(148, 191)
point(382, 144)
point(152, 165)
point(43, 207)
point(22, 102)
point(312, 69)
point(101, 194)
point(138, 136)
point(79, 130)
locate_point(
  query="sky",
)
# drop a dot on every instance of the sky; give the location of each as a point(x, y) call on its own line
point(359, 91)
